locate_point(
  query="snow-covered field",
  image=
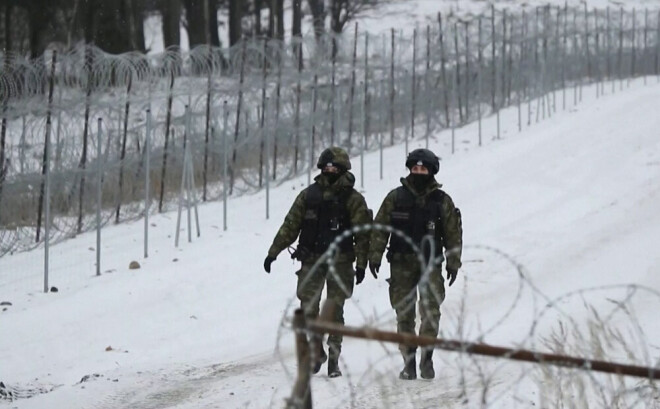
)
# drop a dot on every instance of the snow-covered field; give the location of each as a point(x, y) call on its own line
point(559, 219)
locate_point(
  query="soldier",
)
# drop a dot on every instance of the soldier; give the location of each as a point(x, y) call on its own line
point(320, 213)
point(418, 208)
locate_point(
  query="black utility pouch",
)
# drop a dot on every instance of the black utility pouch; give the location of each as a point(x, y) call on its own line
point(301, 254)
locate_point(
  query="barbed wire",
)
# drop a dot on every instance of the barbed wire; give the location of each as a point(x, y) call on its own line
point(403, 91)
point(593, 335)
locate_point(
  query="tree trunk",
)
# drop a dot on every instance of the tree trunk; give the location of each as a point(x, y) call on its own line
point(136, 15)
point(113, 18)
point(38, 19)
point(318, 17)
point(213, 23)
point(88, 21)
point(171, 19)
point(296, 31)
point(335, 16)
point(280, 19)
point(257, 17)
point(296, 24)
point(197, 24)
point(7, 27)
point(235, 16)
point(272, 6)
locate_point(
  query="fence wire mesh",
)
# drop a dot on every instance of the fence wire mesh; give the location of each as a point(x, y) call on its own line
point(394, 85)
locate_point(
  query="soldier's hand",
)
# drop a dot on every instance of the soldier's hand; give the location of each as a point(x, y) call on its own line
point(267, 262)
point(359, 275)
point(451, 275)
point(373, 267)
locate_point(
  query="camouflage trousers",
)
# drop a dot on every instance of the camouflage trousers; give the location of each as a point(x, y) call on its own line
point(404, 283)
point(339, 289)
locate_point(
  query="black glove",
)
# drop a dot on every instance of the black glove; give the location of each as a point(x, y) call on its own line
point(373, 267)
point(267, 262)
point(359, 275)
point(451, 276)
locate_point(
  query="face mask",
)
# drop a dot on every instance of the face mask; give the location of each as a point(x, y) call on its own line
point(419, 181)
point(331, 177)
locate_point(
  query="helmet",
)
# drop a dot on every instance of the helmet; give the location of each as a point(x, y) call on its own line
point(336, 157)
point(425, 158)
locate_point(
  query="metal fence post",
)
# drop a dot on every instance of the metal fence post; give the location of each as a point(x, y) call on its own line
point(266, 136)
point(147, 187)
point(47, 210)
point(99, 194)
point(224, 165)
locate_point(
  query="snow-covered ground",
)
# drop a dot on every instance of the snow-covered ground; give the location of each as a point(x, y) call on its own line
point(559, 220)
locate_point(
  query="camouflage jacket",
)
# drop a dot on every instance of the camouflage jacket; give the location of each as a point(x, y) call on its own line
point(452, 228)
point(357, 209)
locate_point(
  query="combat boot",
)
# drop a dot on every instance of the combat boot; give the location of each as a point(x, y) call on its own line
point(409, 371)
point(426, 365)
point(321, 357)
point(333, 368)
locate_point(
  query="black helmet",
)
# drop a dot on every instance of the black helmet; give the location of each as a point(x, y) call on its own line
point(336, 157)
point(425, 158)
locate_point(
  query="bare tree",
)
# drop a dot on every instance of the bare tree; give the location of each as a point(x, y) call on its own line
point(342, 11)
point(258, 4)
point(317, 7)
point(40, 15)
point(113, 16)
point(197, 22)
point(136, 14)
point(171, 12)
point(7, 18)
point(235, 17)
point(213, 23)
point(296, 28)
point(279, 16)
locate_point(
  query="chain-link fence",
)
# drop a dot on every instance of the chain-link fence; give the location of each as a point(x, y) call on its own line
point(264, 109)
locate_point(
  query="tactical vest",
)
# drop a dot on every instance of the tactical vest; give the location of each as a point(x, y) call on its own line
point(324, 220)
point(416, 221)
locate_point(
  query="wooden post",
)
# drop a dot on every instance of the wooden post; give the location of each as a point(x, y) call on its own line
point(325, 327)
point(301, 396)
